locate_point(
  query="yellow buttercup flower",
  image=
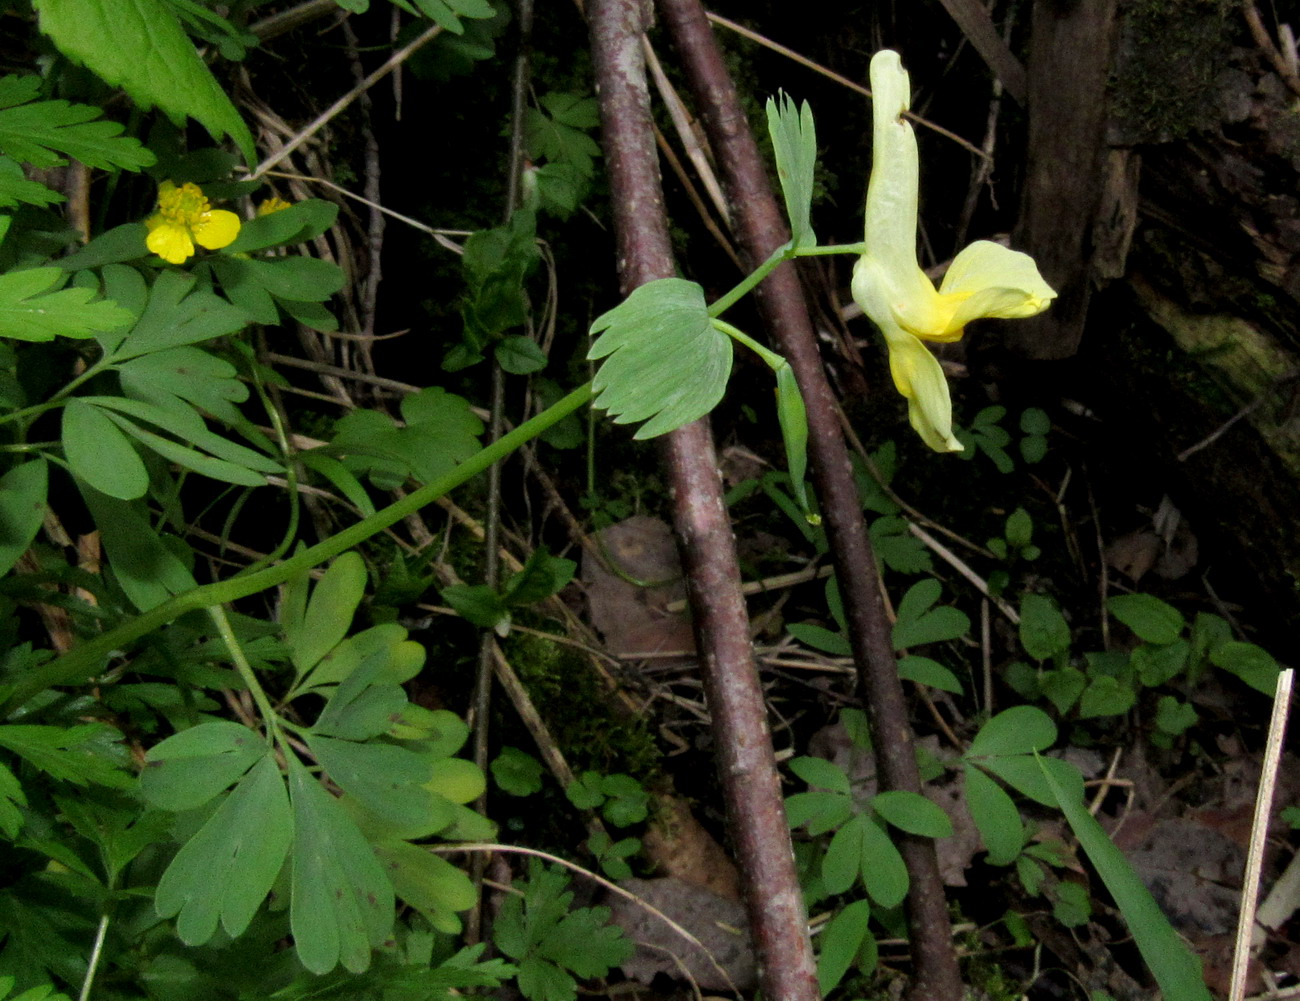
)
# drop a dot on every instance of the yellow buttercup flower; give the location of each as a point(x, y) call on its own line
point(984, 280)
point(184, 218)
point(273, 204)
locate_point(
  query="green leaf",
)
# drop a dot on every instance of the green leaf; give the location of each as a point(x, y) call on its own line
point(918, 623)
point(15, 188)
point(924, 671)
point(519, 355)
point(1063, 687)
point(478, 603)
point(1035, 421)
point(995, 816)
point(1174, 717)
point(294, 278)
point(12, 800)
point(516, 772)
point(821, 773)
point(794, 141)
point(430, 884)
point(387, 780)
point(32, 131)
point(842, 938)
point(1044, 632)
point(177, 313)
point(73, 754)
point(1017, 730)
point(342, 903)
point(121, 243)
point(22, 509)
point(226, 870)
point(820, 811)
point(188, 458)
point(1253, 665)
point(189, 769)
point(585, 792)
point(1020, 529)
point(146, 569)
point(626, 802)
point(793, 419)
point(29, 311)
point(1152, 619)
point(101, 454)
point(329, 613)
point(1024, 774)
point(300, 222)
point(185, 375)
point(560, 133)
point(1157, 664)
point(913, 813)
point(1106, 696)
point(542, 576)
point(820, 638)
point(665, 363)
point(1173, 965)
point(140, 46)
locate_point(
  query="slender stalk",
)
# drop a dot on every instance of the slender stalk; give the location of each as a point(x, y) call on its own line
point(96, 954)
point(86, 660)
point(242, 666)
point(746, 763)
point(763, 235)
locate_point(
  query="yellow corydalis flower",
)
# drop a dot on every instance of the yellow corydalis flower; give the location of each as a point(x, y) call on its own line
point(984, 280)
point(184, 218)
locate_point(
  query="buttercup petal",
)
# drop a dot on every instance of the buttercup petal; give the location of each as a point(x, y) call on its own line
point(919, 377)
point(170, 242)
point(217, 229)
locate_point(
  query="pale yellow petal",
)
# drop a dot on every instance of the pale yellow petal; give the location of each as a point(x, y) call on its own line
point(892, 190)
point(170, 242)
point(985, 265)
point(217, 229)
point(919, 377)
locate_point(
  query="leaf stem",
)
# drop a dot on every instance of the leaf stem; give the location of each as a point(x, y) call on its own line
point(774, 361)
point(218, 614)
point(86, 660)
point(779, 256)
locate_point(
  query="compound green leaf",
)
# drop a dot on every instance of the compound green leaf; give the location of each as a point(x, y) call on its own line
point(226, 870)
point(794, 141)
point(918, 623)
point(1175, 968)
point(1018, 730)
point(29, 311)
point(177, 313)
point(665, 363)
point(341, 901)
point(188, 769)
point(101, 454)
point(22, 509)
point(72, 754)
point(912, 812)
point(15, 187)
point(38, 131)
point(139, 45)
point(186, 374)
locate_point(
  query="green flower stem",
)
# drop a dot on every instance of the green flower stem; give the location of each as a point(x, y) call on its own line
point(87, 659)
point(774, 361)
point(779, 256)
point(218, 613)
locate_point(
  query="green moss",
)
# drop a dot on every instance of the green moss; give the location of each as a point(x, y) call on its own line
point(1171, 53)
point(579, 711)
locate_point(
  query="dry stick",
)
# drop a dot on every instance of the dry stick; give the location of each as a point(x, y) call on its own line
point(761, 230)
point(488, 653)
point(751, 786)
point(394, 61)
point(1258, 834)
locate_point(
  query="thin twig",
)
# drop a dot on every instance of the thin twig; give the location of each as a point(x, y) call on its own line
point(830, 74)
point(1259, 833)
point(393, 61)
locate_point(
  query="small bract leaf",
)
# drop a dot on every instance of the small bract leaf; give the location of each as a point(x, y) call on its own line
point(665, 364)
point(794, 141)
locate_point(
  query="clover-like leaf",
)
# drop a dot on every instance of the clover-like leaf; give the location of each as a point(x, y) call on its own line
point(665, 363)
